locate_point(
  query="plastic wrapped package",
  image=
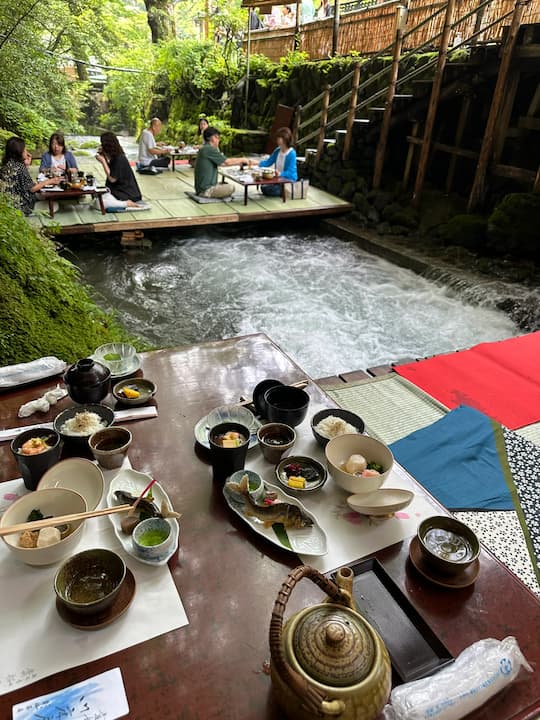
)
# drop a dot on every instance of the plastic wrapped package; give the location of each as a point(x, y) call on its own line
point(13, 375)
point(480, 671)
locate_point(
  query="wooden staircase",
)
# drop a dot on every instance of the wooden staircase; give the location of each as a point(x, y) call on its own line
point(373, 105)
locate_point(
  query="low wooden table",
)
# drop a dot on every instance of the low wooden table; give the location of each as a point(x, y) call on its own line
point(228, 576)
point(177, 154)
point(53, 195)
point(246, 184)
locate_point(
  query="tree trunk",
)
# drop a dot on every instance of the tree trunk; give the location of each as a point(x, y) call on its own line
point(160, 19)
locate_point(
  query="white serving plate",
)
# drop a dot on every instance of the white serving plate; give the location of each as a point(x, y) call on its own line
point(134, 482)
point(304, 541)
point(381, 502)
point(78, 474)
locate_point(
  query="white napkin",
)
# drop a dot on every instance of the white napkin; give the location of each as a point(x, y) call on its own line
point(43, 403)
point(136, 413)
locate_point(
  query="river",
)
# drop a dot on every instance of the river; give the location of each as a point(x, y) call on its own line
point(331, 306)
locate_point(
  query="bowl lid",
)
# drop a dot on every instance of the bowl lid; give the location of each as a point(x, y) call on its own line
point(333, 646)
point(87, 373)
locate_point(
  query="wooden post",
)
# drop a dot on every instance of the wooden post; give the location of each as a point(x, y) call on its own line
point(352, 112)
point(536, 186)
point(478, 23)
point(505, 115)
point(297, 24)
point(324, 117)
point(462, 122)
point(335, 29)
point(477, 190)
point(248, 58)
point(401, 19)
point(296, 123)
point(410, 156)
point(433, 104)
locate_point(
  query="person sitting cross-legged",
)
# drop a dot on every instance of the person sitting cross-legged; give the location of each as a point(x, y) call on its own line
point(151, 153)
point(209, 159)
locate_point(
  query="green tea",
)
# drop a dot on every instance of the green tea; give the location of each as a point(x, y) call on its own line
point(150, 538)
point(112, 356)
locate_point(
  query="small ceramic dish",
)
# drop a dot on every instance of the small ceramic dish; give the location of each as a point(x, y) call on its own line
point(110, 446)
point(303, 467)
point(152, 539)
point(348, 417)
point(104, 412)
point(77, 474)
point(448, 545)
point(88, 582)
point(381, 502)
point(275, 439)
point(202, 429)
point(118, 357)
point(256, 487)
point(145, 388)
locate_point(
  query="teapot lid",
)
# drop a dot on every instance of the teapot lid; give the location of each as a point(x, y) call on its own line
point(333, 646)
point(87, 373)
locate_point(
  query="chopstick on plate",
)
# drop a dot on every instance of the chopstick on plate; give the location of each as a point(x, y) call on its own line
point(61, 520)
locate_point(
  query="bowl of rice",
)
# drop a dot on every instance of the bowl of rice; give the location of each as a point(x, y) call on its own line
point(77, 423)
point(332, 422)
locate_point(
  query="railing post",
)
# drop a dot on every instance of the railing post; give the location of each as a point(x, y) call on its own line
point(352, 112)
point(401, 20)
point(433, 103)
point(324, 118)
point(335, 28)
point(296, 123)
point(477, 190)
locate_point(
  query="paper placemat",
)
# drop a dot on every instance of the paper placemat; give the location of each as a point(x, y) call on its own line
point(34, 638)
point(350, 536)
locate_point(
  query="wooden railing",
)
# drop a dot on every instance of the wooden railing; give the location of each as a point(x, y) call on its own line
point(369, 30)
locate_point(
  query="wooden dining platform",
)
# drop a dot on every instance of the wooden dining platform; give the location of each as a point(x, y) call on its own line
point(172, 208)
point(228, 577)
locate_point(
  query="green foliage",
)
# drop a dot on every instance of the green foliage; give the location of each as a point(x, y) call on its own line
point(513, 226)
point(468, 231)
point(44, 309)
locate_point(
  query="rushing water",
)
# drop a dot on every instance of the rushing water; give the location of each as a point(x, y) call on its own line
point(331, 306)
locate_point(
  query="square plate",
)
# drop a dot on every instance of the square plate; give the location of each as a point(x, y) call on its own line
point(415, 651)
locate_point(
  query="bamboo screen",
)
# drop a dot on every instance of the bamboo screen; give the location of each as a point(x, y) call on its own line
point(369, 31)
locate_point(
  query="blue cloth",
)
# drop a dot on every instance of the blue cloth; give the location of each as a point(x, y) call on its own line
point(289, 170)
point(457, 459)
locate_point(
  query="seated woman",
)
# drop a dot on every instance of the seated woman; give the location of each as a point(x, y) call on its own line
point(15, 180)
point(284, 158)
point(124, 190)
point(57, 160)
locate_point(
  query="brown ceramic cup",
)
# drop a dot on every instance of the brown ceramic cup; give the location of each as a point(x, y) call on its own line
point(275, 439)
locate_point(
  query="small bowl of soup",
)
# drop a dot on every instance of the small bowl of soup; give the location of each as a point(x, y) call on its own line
point(274, 440)
point(447, 544)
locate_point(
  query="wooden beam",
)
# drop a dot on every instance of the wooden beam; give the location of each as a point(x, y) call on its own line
point(380, 153)
point(335, 28)
point(411, 139)
point(536, 186)
point(528, 51)
point(477, 190)
point(529, 123)
point(433, 103)
point(535, 102)
point(460, 129)
point(352, 112)
point(514, 173)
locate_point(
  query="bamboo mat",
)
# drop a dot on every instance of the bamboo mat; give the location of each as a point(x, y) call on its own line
point(392, 408)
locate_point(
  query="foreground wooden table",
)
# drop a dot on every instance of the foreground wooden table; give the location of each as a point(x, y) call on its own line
point(228, 577)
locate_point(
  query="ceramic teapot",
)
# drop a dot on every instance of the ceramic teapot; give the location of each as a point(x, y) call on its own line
point(327, 661)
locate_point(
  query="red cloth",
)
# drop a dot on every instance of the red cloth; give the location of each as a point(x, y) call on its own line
point(501, 379)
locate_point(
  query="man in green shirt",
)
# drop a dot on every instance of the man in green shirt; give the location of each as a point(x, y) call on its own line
point(209, 158)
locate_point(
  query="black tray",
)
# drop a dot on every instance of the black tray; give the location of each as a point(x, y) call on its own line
point(414, 649)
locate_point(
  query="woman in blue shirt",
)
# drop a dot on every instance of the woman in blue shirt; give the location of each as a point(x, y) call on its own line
point(284, 158)
point(57, 160)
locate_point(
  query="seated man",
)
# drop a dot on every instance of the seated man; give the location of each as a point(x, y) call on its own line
point(208, 161)
point(151, 154)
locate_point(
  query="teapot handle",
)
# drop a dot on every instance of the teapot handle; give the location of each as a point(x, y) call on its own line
point(314, 700)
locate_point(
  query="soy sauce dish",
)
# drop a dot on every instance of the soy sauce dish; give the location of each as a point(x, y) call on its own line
point(298, 474)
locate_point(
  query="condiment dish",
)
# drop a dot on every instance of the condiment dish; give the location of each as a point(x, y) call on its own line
point(50, 502)
point(146, 390)
point(341, 448)
point(381, 502)
point(298, 466)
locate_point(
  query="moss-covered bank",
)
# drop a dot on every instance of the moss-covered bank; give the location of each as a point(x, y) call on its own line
point(44, 309)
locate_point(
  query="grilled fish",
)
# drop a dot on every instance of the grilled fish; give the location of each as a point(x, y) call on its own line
point(280, 512)
point(146, 508)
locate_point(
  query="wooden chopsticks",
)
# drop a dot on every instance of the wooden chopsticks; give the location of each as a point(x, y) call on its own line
point(61, 520)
